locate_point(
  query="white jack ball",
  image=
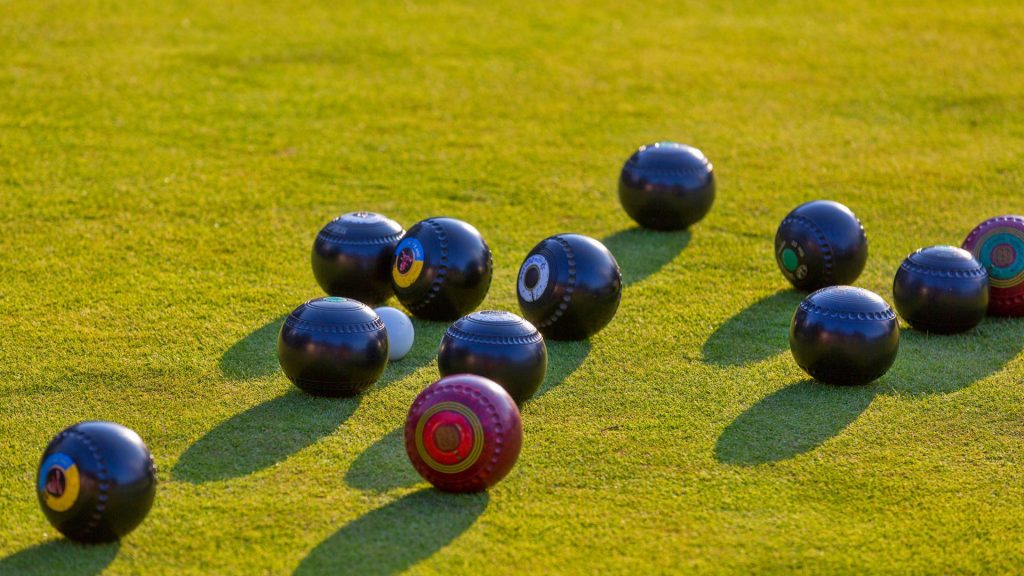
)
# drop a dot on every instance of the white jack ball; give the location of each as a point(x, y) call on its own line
point(400, 331)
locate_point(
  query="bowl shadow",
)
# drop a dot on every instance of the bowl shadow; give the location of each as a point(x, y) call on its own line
point(940, 364)
point(383, 466)
point(60, 557)
point(262, 436)
point(791, 421)
point(564, 358)
point(757, 333)
point(396, 537)
point(254, 356)
point(641, 252)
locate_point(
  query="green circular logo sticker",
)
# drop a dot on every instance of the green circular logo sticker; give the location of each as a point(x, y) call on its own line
point(335, 299)
point(789, 259)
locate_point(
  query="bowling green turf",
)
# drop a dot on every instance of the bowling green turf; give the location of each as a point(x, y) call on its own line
point(165, 166)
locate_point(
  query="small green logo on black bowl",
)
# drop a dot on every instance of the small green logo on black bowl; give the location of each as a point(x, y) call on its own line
point(789, 259)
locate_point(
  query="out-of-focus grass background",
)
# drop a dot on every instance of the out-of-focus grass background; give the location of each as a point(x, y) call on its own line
point(165, 166)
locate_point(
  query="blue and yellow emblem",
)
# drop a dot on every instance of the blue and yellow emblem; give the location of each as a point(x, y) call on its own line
point(408, 262)
point(59, 482)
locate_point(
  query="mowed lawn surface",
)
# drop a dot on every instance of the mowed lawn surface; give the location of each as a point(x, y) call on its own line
point(165, 166)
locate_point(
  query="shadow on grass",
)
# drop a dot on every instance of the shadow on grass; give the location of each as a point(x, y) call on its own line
point(940, 364)
point(796, 419)
point(792, 421)
point(641, 252)
point(59, 557)
point(254, 356)
point(383, 466)
point(262, 436)
point(564, 358)
point(757, 333)
point(396, 537)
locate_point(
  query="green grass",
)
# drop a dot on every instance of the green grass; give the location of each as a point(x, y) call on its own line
point(164, 168)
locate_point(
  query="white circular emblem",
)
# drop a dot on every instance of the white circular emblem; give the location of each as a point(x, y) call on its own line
point(361, 218)
point(494, 316)
point(533, 278)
